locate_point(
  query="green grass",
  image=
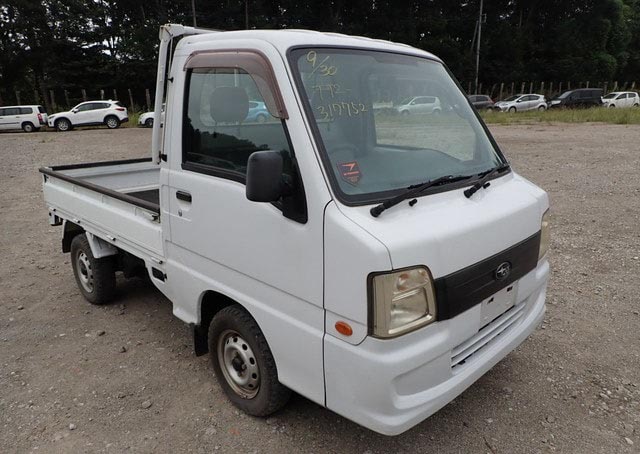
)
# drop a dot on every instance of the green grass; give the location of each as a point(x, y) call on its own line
point(133, 120)
point(630, 116)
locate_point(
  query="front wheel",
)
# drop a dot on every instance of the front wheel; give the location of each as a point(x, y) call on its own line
point(112, 122)
point(63, 124)
point(512, 110)
point(96, 278)
point(149, 122)
point(542, 108)
point(243, 363)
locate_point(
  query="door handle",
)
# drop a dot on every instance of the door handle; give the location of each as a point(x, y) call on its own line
point(184, 196)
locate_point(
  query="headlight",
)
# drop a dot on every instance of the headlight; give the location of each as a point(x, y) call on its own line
point(401, 301)
point(545, 235)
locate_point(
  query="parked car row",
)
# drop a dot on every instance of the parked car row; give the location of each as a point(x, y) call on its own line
point(581, 97)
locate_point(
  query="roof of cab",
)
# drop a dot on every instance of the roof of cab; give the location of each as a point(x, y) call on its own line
point(287, 38)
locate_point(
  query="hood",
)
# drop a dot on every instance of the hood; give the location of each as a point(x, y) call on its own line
point(448, 232)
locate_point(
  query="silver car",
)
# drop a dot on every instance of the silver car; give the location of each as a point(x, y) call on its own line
point(521, 103)
point(420, 105)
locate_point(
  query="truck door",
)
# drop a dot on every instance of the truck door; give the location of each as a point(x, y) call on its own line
point(270, 263)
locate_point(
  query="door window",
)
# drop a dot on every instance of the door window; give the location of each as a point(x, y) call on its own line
point(218, 137)
point(84, 107)
point(12, 111)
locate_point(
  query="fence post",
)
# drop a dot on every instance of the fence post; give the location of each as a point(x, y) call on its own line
point(18, 97)
point(512, 88)
point(587, 86)
point(66, 98)
point(530, 87)
point(53, 100)
point(130, 99)
point(148, 96)
point(480, 88)
point(542, 88)
point(36, 97)
point(550, 89)
point(501, 89)
point(101, 94)
point(633, 87)
point(469, 88)
point(84, 94)
point(569, 85)
point(606, 84)
point(522, 87)
point(615, 85)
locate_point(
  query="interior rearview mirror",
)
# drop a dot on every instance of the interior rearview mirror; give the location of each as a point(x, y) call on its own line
point(264, 176)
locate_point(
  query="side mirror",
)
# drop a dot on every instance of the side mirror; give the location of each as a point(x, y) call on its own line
point(264, 176)
point(74, 110)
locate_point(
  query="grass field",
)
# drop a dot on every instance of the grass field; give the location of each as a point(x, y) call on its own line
point(596, 114)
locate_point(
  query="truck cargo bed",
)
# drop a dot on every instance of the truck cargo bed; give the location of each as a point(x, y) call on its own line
point(118, 201)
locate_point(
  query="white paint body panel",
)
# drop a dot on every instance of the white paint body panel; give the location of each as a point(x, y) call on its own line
point(298, 280)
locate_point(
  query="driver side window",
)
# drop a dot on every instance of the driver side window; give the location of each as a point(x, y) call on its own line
point(225, 121)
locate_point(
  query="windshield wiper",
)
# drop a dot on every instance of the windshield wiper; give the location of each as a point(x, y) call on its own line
point(483, 182)
point(415, 190)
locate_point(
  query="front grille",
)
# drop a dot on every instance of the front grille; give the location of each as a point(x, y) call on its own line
point(462, 354)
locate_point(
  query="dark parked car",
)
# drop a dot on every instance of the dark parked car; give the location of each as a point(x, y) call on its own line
point(582, 97)
point(481, 102)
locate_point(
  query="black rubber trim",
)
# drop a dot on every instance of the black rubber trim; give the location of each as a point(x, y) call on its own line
point(463, 289)
point(98, 164)
point(153, 207)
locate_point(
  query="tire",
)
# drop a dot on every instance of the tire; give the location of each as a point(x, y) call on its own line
point(636, 105)
point(512, 110)
point(62, 124)
point(149, 122)
point(542, 108)
point(261, 118)
point(436, 112)
point(28, 127)
point(612, 106)
point(404, 112)
point(112, 122)
point(96, 278)
point(243, 363)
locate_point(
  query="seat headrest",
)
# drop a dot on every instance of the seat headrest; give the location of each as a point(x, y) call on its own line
point(229, 104)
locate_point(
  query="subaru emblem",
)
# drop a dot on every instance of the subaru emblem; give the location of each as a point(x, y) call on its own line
point(503, 271)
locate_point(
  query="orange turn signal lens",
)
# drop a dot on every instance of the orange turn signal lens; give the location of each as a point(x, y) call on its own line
point(344, 328)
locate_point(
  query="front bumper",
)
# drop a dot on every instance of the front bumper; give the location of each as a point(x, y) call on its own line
point(391, 385)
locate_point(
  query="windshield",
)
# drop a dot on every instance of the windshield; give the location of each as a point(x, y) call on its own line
point(610, 96)
point(511, 98)
point(373, 143)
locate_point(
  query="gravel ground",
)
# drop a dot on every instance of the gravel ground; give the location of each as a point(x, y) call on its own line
point(80, 378)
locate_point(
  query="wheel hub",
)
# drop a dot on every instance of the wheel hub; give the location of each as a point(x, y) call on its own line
point(85, 272)
point(238, 364)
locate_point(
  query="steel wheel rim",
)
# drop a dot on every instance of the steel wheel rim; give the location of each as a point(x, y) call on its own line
point(238, 364)
point(28, 128)
point(111, 123)
point(85, 272)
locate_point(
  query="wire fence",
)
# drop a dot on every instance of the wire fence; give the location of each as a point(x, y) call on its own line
point(141, 99)
point(502, 90)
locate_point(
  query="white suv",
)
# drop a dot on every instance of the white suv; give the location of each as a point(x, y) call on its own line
point(27, 118)
point(110, 113)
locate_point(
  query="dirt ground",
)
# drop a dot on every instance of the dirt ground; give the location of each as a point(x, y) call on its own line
point(120, 378)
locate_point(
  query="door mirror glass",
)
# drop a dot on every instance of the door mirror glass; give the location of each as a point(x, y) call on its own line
point(264, 176)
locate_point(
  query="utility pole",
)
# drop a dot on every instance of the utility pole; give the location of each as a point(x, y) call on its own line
point(478, 45)
point(193, 11)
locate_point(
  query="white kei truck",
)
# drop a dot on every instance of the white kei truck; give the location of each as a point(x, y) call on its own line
point(377, 264)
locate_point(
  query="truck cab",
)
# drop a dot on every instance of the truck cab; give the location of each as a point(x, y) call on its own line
point(377, 264)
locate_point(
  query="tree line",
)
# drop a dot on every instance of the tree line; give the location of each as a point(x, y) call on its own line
point(107, 44)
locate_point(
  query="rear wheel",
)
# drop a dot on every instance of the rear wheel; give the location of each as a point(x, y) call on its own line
point(28, 127)
point(96, 278)
point(243, 363)
point(112, 122)
point(63, 124)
